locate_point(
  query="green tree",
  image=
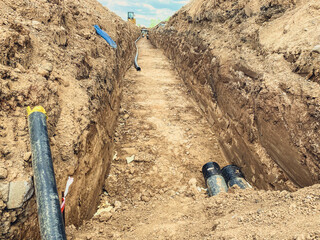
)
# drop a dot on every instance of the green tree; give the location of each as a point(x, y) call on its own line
point(154, 22)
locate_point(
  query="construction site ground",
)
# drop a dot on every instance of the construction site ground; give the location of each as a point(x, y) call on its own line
point(155, 188)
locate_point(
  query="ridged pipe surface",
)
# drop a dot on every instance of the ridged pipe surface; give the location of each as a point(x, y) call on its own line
point(49, 213)
point(137, 54)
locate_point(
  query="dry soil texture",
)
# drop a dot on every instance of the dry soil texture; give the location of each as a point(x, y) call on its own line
point(161, 195)
point(253, 67)
point(50, 55)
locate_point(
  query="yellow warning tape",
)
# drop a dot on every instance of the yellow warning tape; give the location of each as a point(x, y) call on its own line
point(36, 109)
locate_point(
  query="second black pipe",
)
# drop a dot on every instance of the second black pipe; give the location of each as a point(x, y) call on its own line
point(136, 58)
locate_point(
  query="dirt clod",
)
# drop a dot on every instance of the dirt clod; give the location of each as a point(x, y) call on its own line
point(105, 216)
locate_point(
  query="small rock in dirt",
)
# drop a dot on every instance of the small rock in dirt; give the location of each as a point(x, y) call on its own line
point(3, 173)
point(130, 159)
point(145, 198)
point(4, 191)
point(122, 110)
point(34, 23)
point(105, 216)
point(47, 66)
point(117, 204)
point(27, 156)
point(115, 156)
point(2, 205)
point(136, 197)
point(316, 49)
point(248, 11)
point(126, 116)
point(19, 193)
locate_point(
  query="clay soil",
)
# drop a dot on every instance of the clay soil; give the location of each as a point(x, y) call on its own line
point(161, 193)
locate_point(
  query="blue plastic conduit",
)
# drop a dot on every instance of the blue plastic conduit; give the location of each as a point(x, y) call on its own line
point(105, 36)
point(49, 213)
point(136, 58)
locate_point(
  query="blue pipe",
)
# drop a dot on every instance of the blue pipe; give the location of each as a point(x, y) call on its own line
point(136, 58)
point(49, 213)
point(105, 36)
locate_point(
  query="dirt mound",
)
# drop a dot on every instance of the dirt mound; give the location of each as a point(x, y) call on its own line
point(239, 214)
point(253, 66)
point(51, 56)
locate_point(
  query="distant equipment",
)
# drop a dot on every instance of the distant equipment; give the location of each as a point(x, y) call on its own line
point(145, 32)
point(131, 17)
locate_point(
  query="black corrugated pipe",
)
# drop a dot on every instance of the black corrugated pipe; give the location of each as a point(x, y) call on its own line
point(213, 178)
point(136, 58)
point(49, 213)
point(233, 176)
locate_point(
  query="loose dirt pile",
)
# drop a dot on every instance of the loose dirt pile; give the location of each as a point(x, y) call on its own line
point(50, 55)
point(155, 189)
point(253, 67)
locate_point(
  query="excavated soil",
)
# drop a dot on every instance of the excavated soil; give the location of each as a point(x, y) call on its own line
point(240, 85)
point(155, 188)
point(50, 55)
point(253, 67)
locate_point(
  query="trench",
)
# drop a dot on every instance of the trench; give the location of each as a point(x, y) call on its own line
point(139, 159)
point(169, 126)
point(163, 138)
point(161, 143)
point(160, 129)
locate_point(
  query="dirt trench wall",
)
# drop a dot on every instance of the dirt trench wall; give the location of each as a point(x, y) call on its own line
point(266, 113)
point(50, 55)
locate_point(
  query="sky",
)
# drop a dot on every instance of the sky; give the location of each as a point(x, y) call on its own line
point(144, 10)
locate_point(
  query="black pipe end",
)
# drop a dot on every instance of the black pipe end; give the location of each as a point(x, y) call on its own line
point(230, 172)
point(210, 169)
point(138, 68)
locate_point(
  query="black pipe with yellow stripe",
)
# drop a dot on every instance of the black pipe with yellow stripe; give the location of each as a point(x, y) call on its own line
point(49, 213)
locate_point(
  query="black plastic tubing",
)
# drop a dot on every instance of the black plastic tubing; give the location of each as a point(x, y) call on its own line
point(136, 58)
point(213, 178)
point(49, 213)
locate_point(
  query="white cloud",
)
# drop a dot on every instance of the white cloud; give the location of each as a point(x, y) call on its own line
point(164, 13)
point(140, 16)
point(122, 3)
point(148, 6)
point(165, 1)
point(182, 2)
point(110, 3)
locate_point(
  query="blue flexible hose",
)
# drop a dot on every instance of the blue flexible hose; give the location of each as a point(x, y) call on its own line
point(105, 36)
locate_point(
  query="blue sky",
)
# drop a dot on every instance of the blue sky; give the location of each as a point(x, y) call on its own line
point(144, 10)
